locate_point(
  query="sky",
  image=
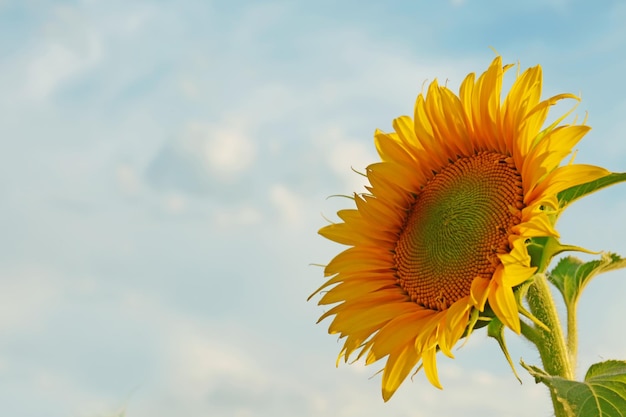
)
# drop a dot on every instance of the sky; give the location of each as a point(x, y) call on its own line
point(165, 167)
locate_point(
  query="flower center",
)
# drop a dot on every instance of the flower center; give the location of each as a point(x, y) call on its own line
point(456, 227)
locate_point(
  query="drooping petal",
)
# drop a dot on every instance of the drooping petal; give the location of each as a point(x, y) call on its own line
point(397, 369)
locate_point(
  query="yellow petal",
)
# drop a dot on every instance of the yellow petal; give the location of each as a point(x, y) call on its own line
point(565, 177)
point(397, 368)
point(504, 305)
point(429, 360)
point(479, 292)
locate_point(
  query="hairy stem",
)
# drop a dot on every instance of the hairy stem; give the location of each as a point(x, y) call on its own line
point(572, 335)
point(550, 344)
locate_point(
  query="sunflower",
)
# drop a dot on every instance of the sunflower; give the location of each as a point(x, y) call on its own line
point(441, 234)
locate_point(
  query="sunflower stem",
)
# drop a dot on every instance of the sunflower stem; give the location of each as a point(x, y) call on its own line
point(572, 336)
point(550, 343)
point(529, 332)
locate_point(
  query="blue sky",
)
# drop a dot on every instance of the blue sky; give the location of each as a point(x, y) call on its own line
point(165, 167)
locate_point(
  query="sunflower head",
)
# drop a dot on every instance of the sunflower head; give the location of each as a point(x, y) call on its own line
point(442, 231)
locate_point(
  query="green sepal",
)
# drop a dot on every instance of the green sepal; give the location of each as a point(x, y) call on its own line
point(495, 329)
point(601, 394)
point(572, 194)
point(571, 275)
point(520, 293)
point(475, 322)
point(542, 249)
point(537, 250)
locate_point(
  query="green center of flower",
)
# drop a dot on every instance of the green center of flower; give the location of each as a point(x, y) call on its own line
point(458, 224)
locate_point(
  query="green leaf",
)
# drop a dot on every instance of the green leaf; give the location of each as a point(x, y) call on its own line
point(601, 394)
point(574, 193)
point(496, 330)
point(571, 275)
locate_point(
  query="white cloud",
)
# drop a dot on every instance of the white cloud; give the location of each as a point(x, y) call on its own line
point(228, 150)
point(199, 362)
point(135, 18)
point(223, 150)
point(203, 158)
point(345, 155)
point(349, 153)
point(128, 179)
point(236, 216)
point(69, 47)
point(211, 367)
point(175, 203)
point(288, 204)
point(189, 88)
point(54, 64)
point(27, 294)
point(86, 403)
